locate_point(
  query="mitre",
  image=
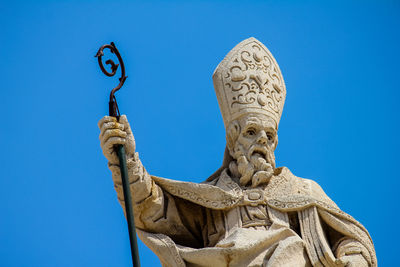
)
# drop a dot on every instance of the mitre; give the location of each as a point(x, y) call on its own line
point(249, 80)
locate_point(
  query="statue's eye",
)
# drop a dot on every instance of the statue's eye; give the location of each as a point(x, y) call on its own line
point(251, 132)
point(270, 137)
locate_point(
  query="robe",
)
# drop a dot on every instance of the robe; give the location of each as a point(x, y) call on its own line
point(289, 222)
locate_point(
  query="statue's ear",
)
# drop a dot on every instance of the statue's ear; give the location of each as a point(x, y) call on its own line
point(232, 133)
point(276, 141)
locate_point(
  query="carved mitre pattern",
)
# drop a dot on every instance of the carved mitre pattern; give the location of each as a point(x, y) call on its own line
point(249, 80)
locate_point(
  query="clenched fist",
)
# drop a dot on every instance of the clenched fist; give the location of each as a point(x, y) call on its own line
point(113, 133)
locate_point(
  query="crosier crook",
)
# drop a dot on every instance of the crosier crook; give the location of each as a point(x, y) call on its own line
point(114, 111)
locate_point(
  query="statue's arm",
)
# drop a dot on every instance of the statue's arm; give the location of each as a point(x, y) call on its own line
point(349, 242)
point(154, 210)
point(114, 133)
point(344, 235)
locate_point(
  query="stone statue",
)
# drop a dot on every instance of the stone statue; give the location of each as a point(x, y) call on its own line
point(249, 212)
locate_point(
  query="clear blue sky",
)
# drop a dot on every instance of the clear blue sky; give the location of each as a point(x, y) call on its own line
point(340, 125)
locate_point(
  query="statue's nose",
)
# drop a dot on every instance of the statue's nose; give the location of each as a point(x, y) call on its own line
point(262, 138)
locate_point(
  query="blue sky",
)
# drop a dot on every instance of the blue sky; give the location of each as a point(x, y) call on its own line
point(340, 62)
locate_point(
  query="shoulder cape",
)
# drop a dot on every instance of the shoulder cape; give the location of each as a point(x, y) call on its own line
point(285, 192)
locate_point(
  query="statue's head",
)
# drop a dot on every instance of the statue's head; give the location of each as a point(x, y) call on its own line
point(251, 94)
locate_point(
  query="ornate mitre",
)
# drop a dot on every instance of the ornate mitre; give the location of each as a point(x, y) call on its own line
point(249, 80)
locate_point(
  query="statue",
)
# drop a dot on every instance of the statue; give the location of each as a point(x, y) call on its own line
point(249, 212)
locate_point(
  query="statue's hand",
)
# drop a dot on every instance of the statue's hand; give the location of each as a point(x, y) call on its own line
point(350, 253)
point(354, 260)
point(113, 133)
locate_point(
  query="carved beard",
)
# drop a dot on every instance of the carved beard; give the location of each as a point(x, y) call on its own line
point(254, 168)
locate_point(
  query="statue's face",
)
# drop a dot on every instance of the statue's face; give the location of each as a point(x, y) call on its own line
point(257, 136)
point(251, 141)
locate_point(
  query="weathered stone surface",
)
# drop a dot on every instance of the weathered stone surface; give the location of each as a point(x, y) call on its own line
point(248, 213)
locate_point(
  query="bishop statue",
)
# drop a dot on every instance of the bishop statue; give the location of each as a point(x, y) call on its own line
point(249, 212)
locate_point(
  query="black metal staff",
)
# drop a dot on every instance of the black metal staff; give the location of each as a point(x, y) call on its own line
point(114, 111)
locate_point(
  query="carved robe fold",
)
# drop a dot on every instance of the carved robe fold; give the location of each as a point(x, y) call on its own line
point(290, 222)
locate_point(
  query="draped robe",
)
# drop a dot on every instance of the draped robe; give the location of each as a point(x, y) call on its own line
point(289, 222)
